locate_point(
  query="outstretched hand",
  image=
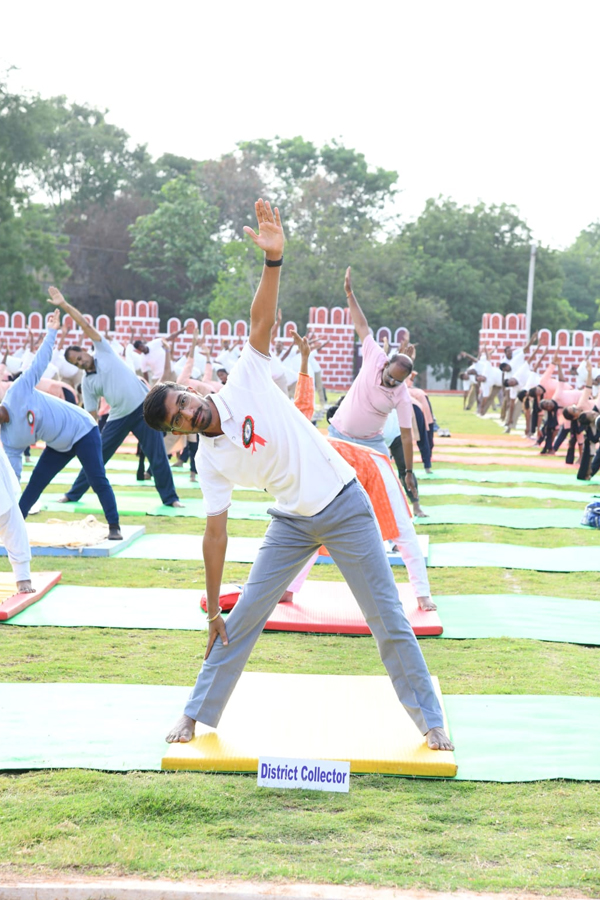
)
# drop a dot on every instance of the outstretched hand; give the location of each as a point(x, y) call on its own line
point(54, 320)
point(56, 298)
point(302, 344)
point(347, 282)
point(270, 236)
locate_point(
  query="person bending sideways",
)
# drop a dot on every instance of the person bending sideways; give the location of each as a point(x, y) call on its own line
point(107, 375)
point(377, 390)
point(251, 434)
point(28, 415)
point(374, 472)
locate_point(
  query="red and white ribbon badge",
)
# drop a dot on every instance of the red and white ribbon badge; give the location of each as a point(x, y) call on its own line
point(249, 436)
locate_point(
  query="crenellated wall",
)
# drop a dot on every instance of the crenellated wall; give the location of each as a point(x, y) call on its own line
point(498, 331)
point(335, 325)
point(337, 360)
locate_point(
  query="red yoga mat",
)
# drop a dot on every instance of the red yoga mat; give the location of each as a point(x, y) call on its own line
point(329, 607)
point(42, 582)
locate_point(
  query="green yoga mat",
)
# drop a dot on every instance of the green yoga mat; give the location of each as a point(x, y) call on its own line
point(144, 504)
point(113, 607)
point(540, 618)
point(506, 476)
point(470, 554)
point(471, 616)
point(470, 490)
point(121, 727)
point(188, 546)
point(503, 517)
point(507, 556)
point(181, 479)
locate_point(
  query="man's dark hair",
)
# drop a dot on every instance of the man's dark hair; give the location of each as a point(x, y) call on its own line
point(568, 415)
point(505, 367)
point(403, 359)
point(154, 409)
point(74, 348)
point(521, 395)
point(137, 345)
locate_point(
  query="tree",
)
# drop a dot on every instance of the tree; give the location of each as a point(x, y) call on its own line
point(580, 264)
point(30, 248)
point(99, 245)
point(86, 159)
point(476, 259)
point(177, 251)
point(31, 257)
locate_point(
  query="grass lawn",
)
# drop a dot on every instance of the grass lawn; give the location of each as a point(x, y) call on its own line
point(540, 837)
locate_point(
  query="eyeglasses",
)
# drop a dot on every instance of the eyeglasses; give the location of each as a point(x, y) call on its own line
point(177, 419)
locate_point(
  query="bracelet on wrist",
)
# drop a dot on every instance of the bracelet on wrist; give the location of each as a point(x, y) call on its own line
point(272, 263)
point(213, 618)
point(408, 472)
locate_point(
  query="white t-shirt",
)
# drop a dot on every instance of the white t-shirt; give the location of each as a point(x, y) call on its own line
point(226, 359)
point(267, 443)
point(154, 360)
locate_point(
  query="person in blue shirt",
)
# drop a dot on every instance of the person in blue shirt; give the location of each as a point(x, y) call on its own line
point(107, 375)
point(28, 415)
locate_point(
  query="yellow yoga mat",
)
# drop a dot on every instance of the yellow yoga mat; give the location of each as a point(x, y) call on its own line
point(338, 717)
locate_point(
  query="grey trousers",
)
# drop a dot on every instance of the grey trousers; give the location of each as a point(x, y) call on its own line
point(349, 530)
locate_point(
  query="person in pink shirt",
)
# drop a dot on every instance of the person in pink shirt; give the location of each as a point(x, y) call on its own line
point(377, 390)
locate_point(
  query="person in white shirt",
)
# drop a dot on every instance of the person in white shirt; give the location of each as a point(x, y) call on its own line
point(229, 355)
point(250, 434)
point(12, 526)
point(152, 363)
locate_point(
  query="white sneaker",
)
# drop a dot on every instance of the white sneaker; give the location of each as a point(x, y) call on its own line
point(36, 508)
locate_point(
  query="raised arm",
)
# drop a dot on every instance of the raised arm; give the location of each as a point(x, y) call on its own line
point(358, 317)
point(276, 326)
point(43, 356)
point(264, 306)
point(304, 395)
point(174, 335)
point(532, 340)
point(58, 300)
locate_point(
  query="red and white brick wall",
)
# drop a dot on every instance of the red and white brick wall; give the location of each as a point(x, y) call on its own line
point(498, 331)
point(336, 360)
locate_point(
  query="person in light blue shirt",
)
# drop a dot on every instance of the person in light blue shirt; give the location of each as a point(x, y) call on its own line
point(28, 415)
point(108, 376)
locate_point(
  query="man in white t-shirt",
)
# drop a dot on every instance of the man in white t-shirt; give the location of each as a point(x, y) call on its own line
point(251, 434)
point(152, 362)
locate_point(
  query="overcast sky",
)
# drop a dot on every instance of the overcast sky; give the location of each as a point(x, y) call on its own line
point(472, 100)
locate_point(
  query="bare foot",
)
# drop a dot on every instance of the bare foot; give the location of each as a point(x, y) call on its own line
point(426, 603)
point(287, 597)
point(25, 587)
point(177, 504)
point(183, 731)
point(419, 511)
point(437, 739)
point(63, 499)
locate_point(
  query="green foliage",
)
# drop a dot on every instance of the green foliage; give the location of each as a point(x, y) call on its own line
point(86, 159)
point(580, 264)
point(476, 259)
point(30, 249)
point(176, 250)
point(237, 281)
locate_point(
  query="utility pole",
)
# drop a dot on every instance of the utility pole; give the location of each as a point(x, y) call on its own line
point(530, 287)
